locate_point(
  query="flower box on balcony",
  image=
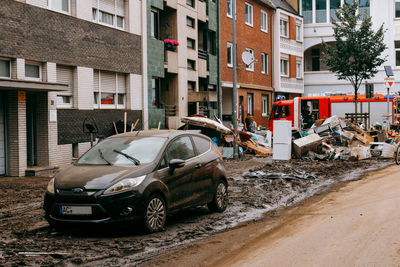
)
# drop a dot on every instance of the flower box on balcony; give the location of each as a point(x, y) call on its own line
point(170, 44)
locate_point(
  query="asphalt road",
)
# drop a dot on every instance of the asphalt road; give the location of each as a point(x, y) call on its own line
point(353, 225)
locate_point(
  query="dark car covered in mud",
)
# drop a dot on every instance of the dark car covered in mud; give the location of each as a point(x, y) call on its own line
point(139, 175)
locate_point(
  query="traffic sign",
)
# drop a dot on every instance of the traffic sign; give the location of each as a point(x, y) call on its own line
point(389, 82)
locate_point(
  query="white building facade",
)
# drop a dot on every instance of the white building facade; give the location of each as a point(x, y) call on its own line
point(317, 14)
point(288, 51)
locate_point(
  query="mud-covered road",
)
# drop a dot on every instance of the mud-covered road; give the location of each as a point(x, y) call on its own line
point(25, 238)
point(357, 224)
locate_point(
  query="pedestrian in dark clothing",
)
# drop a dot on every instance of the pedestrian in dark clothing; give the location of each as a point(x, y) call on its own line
point(247, 122)
point(307, 117)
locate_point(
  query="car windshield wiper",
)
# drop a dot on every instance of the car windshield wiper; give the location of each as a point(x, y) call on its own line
point(135, 160)
point(103, 158)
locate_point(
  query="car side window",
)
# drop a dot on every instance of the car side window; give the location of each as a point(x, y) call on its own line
point(180, 148)
point(202, 144)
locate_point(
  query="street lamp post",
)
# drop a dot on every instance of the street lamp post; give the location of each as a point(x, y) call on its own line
point(234, 86)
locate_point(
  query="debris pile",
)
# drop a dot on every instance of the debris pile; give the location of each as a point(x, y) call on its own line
point(257, 143)
point(339, 139)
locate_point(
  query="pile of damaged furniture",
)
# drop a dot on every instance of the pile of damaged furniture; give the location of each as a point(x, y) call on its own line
point(340, 139)
point(257, 143)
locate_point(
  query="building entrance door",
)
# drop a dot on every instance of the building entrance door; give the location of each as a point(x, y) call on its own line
point(2, 139)
point(31, 129)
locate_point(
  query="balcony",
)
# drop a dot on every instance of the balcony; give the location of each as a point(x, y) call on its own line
point(171, 3)
point(202, 96)
point(171, 61)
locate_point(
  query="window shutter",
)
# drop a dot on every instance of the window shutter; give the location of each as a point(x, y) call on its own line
point(95, 80)
point(121, 83)
point(107, 6)
point(121, 8)
point(107, 82)
point(65, 75)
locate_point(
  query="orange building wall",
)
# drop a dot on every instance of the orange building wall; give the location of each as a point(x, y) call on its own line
point(253, 38)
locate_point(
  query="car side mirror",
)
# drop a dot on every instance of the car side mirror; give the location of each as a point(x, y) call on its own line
point(176, 163)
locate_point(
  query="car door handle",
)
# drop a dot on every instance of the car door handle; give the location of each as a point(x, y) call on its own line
point(198, 166)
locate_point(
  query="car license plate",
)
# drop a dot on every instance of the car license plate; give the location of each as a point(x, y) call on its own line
point(76, 210)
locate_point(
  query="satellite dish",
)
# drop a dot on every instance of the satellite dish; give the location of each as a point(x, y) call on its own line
point(247, 58)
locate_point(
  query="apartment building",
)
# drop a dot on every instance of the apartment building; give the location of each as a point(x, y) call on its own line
point(318, 14)
point(183, 76)
point(63, 62)
point(288, 78)
point(254, 33)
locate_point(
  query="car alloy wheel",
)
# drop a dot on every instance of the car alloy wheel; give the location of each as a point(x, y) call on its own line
point(220, 201)
point(155, 214)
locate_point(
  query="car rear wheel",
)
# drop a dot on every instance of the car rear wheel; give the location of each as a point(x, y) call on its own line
point(220, 200)
point(397, 156)
point(155, 214)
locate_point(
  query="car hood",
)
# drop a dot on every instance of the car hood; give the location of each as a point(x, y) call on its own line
point(92, 177)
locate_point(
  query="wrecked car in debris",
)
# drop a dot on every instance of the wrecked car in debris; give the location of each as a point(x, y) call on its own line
point(138, 175)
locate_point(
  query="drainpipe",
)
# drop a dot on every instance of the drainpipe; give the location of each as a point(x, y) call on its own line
point(272, 56)
point(145, 89)
point(219, 63)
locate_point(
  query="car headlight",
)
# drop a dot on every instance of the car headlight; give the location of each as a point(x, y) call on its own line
point(124, 185)
point(50, 186)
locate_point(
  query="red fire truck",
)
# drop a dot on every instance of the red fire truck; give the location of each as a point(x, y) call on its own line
point(323, 107)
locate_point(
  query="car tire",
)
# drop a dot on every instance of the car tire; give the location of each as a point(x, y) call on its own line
point(397, 156)
point(220, 198)
point(155, 213)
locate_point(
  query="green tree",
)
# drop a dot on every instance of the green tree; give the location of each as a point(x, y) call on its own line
point(356, 52)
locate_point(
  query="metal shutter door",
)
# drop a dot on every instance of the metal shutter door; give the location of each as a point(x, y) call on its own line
point(65, 75)
point(107, 82)
point(121, 83)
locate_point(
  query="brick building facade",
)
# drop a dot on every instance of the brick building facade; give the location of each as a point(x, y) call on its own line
point(61, 62)
point(253, 34)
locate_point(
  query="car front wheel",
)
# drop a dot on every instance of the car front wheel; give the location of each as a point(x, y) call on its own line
point(220, 200)
point(155, 214)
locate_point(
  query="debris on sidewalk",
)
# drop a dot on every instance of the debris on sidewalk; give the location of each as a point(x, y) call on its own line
point(296, 174)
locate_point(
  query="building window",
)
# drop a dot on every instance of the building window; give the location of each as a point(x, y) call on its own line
point(363, 8)
point(334, 6)
point(264, 21)
point(229, 54)
point(190, 21)
point(264, 105)
point(284, 28)
point(191, 64)
point(191, 86)
point(397, 8)
point(191, 43)
point(154, 24)
point(315, 59)
point(250, 101)
point(32, 70)
point(229, 8)
point(299, 70)
point(251, 66)
point(307, 11)
point(121, 99)
point(249, 14)
point(112, 15)
point(5, 68)
point(298, 33)
point(64, 100)
point(107, 99)
point(321, 11)
point(155, 92)
point(264, 63)
point(190, 3)
point(397, 48)
point(60, 5)
point(284, 67)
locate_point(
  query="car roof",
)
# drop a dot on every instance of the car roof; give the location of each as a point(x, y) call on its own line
point(158, 133)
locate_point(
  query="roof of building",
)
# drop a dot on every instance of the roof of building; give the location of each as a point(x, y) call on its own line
point(282, 4)
point(268, 3)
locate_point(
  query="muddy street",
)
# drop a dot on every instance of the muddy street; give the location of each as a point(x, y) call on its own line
point(26, 239)
point(354, 225)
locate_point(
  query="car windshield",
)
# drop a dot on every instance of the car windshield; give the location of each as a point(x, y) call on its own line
point(124, 151)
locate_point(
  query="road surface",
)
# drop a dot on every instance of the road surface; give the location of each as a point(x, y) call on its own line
point(353, 225)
